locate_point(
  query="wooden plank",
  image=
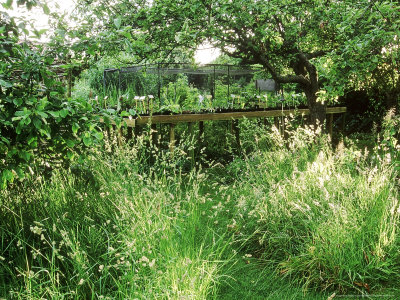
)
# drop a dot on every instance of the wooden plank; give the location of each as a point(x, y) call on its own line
point(155, 119)
point(142, 120)
point(171, 137)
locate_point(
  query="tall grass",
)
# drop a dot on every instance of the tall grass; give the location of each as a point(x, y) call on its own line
point(327, 219)
point(290, 219)
point(111, 230)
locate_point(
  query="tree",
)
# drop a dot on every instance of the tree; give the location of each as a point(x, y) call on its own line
point(368, 53)
point(285, 37)
point(39, 128)
point(303, 42)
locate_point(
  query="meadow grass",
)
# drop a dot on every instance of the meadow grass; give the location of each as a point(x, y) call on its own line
point(290, 219)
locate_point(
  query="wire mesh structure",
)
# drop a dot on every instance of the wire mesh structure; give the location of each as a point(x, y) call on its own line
point(191, 87)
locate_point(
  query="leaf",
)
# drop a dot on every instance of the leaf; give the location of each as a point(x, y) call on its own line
point(41, 31)
point(32, 140)
point(126, 34)
point(75, 128)
point(87, 140)
point(117, 22)
point(46, 9)
point(98, 135)
point(110, 111)
point(178, 37)
point(8, 4)
point(8, 175)
point(25, 155)
point(5, 84)
point(70, 154)
point(20, 125)
point(20, 172)
point(55, 114)
point(22, 113)
point(45, 131)
point(5, 141)
point(17, 101)
point(63, 113)
point(37, 122)
point(70, 143)
point(42, 114)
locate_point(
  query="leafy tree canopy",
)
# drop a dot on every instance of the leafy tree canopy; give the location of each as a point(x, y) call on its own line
point(39, 126)
point(323, 46)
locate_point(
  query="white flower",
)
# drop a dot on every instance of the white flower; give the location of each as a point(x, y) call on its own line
point(151, 264)
point(144, 259)
point(36, 230)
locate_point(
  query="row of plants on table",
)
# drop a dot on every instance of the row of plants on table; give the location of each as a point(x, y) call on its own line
point(181, 96)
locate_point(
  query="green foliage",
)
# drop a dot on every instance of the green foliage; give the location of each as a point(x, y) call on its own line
point(367, 53)
point(38, 125)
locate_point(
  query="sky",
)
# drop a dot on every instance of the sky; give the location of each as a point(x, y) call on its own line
point(205, 53)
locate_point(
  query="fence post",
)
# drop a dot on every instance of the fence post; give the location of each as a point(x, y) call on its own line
point(171, 137)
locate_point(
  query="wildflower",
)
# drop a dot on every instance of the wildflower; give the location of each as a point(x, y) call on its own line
point(81, 281)
point(151, 264)
point(144, 259)
point(36, 230)
point(101, 267)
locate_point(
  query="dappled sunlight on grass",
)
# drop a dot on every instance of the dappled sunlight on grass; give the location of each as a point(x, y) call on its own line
point(288, 220)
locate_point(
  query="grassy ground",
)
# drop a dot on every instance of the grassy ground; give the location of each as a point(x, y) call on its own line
point(299, 221)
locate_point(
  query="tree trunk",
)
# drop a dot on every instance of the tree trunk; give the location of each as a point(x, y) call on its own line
point(391, 100)
point(317, 109)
